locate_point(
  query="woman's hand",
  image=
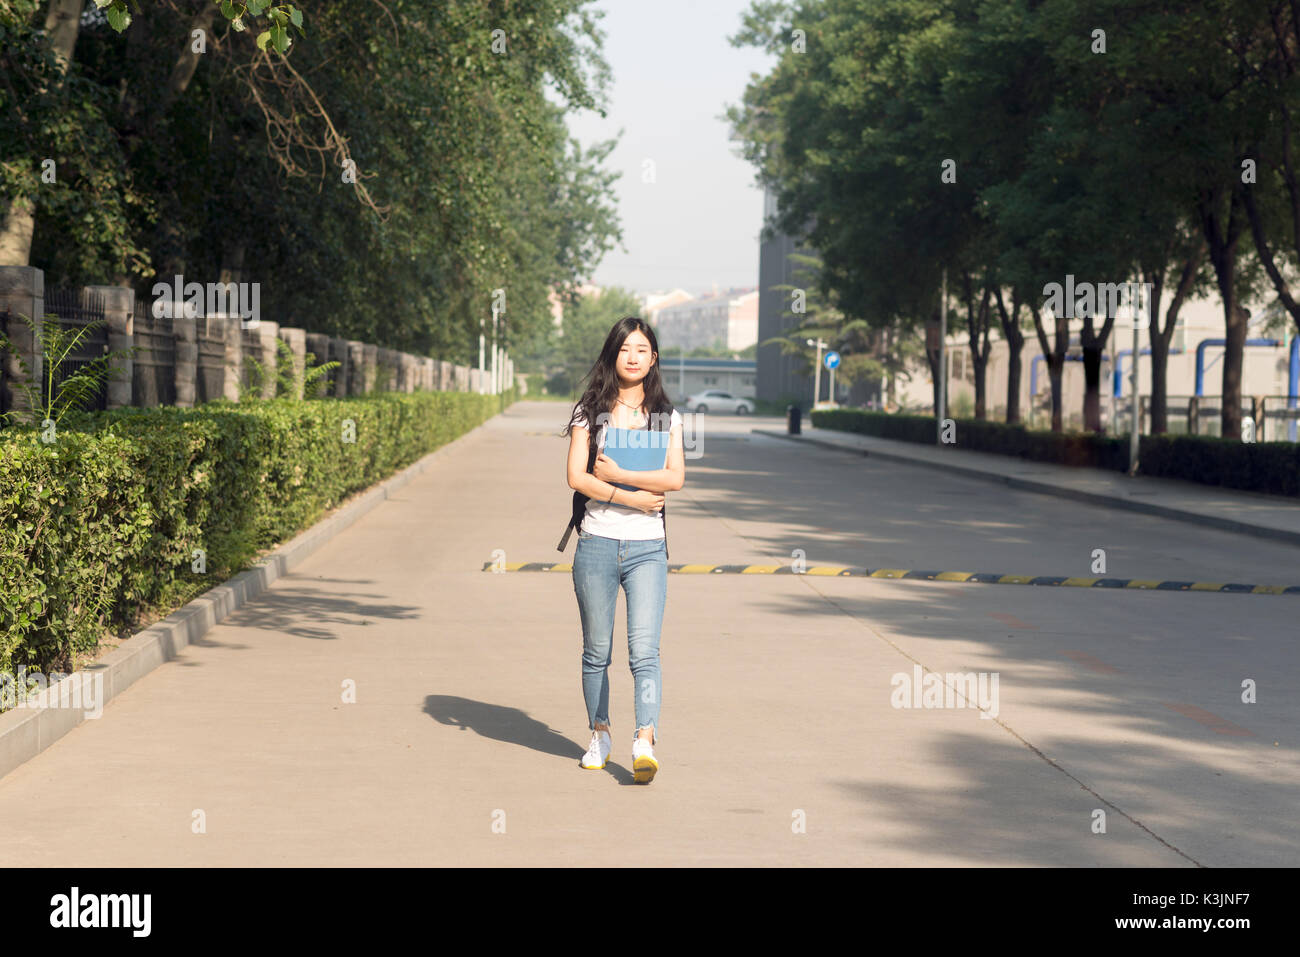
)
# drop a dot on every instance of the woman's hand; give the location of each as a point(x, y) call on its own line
point(607, 470)
point(648, 502)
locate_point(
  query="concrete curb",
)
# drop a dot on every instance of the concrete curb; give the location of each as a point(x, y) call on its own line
point(1046, 488)
point(27, 731)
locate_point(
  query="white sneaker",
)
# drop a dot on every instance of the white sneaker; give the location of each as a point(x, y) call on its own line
point(598, 751)
point(644, 764)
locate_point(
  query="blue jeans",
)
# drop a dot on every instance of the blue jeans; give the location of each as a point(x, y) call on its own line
point(600, 565)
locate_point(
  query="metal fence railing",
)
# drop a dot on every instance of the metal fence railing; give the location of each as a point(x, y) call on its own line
point(211, 370)
point(1279, 418)
point(153, 368)
point(76, 309)
point(1274, 418)
point(4, 367)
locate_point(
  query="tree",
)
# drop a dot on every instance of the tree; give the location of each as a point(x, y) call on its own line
point(392, 176)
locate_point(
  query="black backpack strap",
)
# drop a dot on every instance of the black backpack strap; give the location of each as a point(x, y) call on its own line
point(663, 513)
point(579, 500)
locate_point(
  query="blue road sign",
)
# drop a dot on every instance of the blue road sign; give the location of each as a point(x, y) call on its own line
point(832, 360)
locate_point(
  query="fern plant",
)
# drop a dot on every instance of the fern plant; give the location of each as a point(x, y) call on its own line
point(51, 399)
point(289, 382)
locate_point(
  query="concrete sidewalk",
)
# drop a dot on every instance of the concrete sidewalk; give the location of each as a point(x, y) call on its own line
point(389, 703)
point(1249, 513)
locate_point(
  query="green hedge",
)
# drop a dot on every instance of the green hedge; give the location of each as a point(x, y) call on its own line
point(1272, 467)
point(98, 528)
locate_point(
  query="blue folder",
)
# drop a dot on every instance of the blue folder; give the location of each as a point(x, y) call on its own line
point(637, 450)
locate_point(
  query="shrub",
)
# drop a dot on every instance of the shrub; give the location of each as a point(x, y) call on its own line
point(100, 526)
point(1272, 467)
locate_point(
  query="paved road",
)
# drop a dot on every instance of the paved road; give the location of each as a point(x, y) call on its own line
point(777, 689)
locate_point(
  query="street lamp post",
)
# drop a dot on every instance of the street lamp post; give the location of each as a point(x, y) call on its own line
point(496, 349)
point(1138, 311)
point(817, 370)
point(481, 346)
point(943, 355)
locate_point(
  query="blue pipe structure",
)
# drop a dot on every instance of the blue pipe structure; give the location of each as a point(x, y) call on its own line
point(1293, 383)
point(1200, 357)
point(1033, 369)
point(1117, 380)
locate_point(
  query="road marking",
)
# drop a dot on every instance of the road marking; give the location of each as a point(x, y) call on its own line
point(981, 578)
point(1091, 662)
point(1209, 719)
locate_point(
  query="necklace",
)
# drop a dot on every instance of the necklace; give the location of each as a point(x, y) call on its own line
point(636, 411)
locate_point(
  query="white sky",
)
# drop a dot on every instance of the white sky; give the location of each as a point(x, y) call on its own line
point(673, 74)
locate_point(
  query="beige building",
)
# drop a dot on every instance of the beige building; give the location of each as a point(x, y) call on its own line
point(655, 301)
point(728, 318)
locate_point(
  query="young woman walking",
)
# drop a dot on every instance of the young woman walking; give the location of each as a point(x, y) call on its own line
point(622, 533)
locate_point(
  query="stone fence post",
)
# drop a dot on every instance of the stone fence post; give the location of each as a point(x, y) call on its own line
point(22, 292)
point(268, 333)
point(119, 315)
point(185, 333)
point(296, 340)
point(339, 352)
point(318, 347)
point(370, 371)
point(388, 363)
point(356, 367)
point(232, 334)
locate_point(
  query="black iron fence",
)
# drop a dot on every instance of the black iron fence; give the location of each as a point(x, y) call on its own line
point(78, 309)
point(211, 372)
point(4, 367)
point(154, 366)
point(1273, 418)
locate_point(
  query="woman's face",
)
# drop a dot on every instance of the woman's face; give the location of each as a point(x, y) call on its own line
point(634, 358)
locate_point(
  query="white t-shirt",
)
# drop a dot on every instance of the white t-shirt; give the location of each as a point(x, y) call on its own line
point(611, 520)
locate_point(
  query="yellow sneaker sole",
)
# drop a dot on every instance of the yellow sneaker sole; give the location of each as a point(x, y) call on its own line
point(643, 769)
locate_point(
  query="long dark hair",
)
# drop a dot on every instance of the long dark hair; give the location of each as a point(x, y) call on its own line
point(602, 392)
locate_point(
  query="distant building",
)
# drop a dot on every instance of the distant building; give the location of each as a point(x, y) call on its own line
point(683, 377)
point(778, 375)
point(728, 319)
point(655, 301)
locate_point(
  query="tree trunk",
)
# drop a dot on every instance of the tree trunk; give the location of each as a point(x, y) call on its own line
point(1162, 335)
point(232, 262)
point(1221, 237)
point(1015, 345)
point(978, 322)
point(1055, 366)
point(1093, 345)
point(62, 22)
point(1055, 358)
point(1233, 353)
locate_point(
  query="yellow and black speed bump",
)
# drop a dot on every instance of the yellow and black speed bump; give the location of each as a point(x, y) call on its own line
point(983, 578)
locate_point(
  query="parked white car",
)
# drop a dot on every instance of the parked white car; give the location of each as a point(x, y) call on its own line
point(715, 400)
